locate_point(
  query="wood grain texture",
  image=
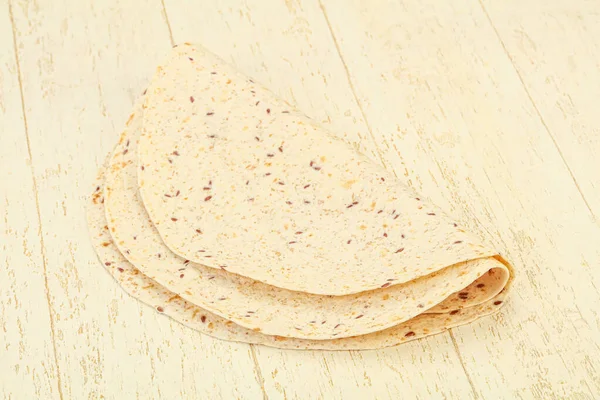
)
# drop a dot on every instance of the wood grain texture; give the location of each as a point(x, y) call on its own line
point(27, 355)
point(487, 108)
point(555, 49)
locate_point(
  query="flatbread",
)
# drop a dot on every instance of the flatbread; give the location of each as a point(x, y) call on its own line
point(270, 309)
point(163, 301)
point(234, 178)
point(236, 215)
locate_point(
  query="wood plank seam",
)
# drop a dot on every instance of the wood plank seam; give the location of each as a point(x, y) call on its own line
point(462, 364)
point(359, 105)
point(538, 113)
point(37, 201)
point(261, 379)
point(166, 17)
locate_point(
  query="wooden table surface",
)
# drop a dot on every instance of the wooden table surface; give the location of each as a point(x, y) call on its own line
point(488, 108)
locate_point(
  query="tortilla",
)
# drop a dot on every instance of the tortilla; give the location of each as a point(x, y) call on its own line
point(270, 309)
point(151, 293)
point(234, 178)
point(234, 214)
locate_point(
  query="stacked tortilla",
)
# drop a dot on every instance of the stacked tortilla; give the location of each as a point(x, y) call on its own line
point(228, 210)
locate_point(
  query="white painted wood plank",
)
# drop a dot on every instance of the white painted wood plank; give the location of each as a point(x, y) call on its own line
point(416, 370)
point(453, 118)
point(555, 47)
point(83, 64)
point(288, 47)
point(27, 358)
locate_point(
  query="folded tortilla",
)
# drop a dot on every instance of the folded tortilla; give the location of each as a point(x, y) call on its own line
point(224, 203)
point(269, 309)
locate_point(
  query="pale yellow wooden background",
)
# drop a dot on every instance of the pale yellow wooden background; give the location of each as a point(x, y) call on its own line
point(490, 108)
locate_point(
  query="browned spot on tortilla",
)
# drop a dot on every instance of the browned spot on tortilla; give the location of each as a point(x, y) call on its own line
point(348, 184)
